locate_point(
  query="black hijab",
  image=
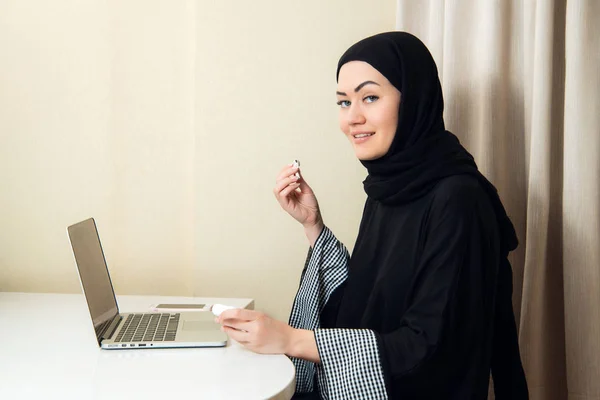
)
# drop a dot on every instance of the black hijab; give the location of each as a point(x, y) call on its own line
point(423, 152)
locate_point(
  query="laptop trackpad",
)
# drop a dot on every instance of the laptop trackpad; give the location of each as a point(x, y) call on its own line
point(199, 325)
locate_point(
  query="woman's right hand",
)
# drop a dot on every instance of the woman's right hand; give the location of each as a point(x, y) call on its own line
point(302, 204)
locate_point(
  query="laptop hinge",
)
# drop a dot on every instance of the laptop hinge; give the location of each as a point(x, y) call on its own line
point(112, 327)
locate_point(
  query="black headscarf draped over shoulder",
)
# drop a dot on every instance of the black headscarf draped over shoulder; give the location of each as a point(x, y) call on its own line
point(423, 151)
point(422, 156)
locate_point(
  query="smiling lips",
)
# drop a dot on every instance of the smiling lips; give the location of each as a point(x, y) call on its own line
point(361, 137)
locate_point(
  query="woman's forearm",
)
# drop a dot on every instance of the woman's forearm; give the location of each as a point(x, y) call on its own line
point(303, 345)
point(313, 232)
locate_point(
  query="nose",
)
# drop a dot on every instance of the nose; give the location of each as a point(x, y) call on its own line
point(355, 115)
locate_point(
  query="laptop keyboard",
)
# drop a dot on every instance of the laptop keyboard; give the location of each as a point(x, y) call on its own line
point(149, 328)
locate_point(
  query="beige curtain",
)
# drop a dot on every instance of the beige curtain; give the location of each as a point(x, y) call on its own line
point(522, 87)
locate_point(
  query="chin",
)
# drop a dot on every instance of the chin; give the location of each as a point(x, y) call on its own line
point(364, 156)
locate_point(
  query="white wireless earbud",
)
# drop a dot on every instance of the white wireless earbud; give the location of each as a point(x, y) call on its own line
point(296, 164)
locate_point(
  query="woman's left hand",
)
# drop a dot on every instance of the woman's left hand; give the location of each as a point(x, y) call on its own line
point(256, 331)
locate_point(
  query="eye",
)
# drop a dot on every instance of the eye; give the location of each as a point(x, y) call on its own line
point(343, 103)
point(371, 99)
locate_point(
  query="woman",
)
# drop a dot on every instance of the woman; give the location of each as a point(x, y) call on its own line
point(422, 309)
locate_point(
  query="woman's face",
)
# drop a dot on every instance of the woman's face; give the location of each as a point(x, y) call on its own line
point(369, 106)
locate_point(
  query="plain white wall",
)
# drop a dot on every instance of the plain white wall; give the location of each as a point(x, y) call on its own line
point(168, 122)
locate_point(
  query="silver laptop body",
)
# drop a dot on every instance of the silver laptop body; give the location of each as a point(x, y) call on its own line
point(115, 330)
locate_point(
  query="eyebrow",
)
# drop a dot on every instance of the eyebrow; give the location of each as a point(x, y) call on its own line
point(359, 87)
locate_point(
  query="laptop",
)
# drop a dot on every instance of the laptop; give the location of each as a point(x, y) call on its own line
point(116, 330)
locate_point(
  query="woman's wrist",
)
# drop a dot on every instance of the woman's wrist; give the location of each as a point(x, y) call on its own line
point(313, 231)
point(302, 344)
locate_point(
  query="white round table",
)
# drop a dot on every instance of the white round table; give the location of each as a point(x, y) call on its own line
point(49, 351)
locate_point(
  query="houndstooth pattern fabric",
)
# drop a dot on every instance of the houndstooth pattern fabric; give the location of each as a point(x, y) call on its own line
point(350, 365)
point(325, 269)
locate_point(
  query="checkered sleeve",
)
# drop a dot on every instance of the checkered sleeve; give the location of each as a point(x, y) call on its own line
point(350, 365)
point(325, 269)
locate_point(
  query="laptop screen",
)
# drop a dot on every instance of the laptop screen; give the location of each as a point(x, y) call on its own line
point(93, 273)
